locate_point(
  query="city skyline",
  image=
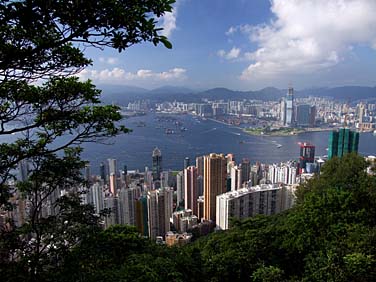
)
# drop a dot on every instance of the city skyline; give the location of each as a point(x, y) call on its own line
point(248, 45)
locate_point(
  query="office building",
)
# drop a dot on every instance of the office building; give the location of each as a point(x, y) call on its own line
point(289, 109)
point(215, 174)
point(282, 111)
point(305, 115)
point(157, 164)
point(342, 142)
point(307, 155)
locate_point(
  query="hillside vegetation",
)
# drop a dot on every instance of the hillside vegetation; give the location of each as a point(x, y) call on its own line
point(329, 235)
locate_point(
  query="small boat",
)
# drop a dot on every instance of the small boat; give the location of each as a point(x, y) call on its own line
point(169, 131)
point(374, 132)
point(279, 146)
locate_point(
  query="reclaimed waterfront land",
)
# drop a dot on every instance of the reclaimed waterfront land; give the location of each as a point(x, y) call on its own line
point(282, 131)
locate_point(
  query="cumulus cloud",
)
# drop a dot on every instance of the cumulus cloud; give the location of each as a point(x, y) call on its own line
point(230, 55)
point(169, 21)
point(109, 60)
point(308, 35)
point(119, 75)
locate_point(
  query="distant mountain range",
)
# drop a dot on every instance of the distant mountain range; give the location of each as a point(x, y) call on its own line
point(122, 95)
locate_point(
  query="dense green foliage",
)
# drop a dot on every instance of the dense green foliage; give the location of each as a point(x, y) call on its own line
point(329, 235)
point(46, 113)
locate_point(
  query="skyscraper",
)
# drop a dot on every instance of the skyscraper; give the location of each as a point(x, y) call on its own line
point(236, 178)
point(246, 170)
point(191, 189)
point(157, 164)
point(180, 190)
point(215, 173)
point(97, 197)
point(186, 162)
point(112, 166)
point(126, 204)
point(342, 142)
point(290, 107)
point(307, 155)
point(159, 211)
point(113, 184)
point(200, 165)
point(23, 170)
point(111, 203)
point(303, 115)
point(87, 173)
point(102, 170)
point(283, 111)
point(142, 216)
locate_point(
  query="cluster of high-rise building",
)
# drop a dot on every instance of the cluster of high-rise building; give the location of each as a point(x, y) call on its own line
point(168, 206)
point(290, 111)
point(292, 115)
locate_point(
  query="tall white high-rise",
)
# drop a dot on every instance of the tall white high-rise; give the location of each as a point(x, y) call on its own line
point(111, 204)
point(127, 204)
point(247, 202)
point(159, 204)
point(236, 178)
point(97, 197)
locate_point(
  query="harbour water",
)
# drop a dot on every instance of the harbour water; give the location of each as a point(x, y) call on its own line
point(180, 136)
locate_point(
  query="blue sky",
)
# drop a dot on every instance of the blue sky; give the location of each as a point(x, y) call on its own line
point(251, 44)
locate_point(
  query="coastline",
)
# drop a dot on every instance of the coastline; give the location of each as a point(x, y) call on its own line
point(281, 133)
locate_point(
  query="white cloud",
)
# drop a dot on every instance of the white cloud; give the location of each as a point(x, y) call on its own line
point(120, 76)
point(230, 55)
point(231, 30)
point(169, 21)
point(308, 35)
point(109, 60)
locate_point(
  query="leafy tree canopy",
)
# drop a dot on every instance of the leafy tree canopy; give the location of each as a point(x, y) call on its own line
point(46, 113)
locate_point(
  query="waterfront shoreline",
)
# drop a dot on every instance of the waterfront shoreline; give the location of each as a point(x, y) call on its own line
point(285, 134)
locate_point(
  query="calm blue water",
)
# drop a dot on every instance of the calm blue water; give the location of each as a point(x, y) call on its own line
point(203, 137)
